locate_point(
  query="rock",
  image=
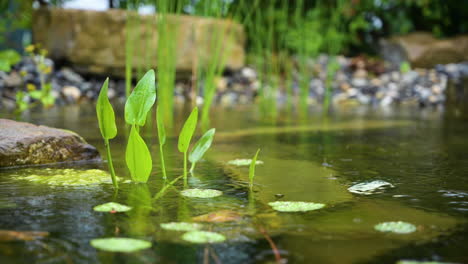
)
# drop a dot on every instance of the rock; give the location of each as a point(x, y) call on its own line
point(13, 80)
point(93, 41)
point(28, 144)
point(71, 93)
point(70, 76)
point(221, 84)
point(249, 74)
point(423, 50)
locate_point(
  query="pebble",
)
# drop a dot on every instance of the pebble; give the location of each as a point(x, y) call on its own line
point(71, 93)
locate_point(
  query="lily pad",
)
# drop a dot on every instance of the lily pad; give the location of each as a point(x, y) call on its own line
point(69, 177)
point(243, 162)
point(120, 244)
point(289, 206)
point(181, 226)
point(422, 262)
point(201, 237)
point(201, 193)
point(367, 188)
point(396, 227)
point(112, 208)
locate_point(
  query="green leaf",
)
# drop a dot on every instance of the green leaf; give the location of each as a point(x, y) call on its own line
point(396, 227)
point(141, 100)
point(120, 244)
point(35, 94)
point(202, 237)
point(138, 157)
point(105, 113)
point(201, 193)
point(253, 163)
point(202, 146)
point(112, 207)
point(181, 226)
point(160, 124)
point(187, 131)
point(287, 206)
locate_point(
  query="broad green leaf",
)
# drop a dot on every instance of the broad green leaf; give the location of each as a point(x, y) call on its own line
point(396, 227)
point(112, 207)
point(120, 244)
point(202, 146)
point(35, 94)
point(287, 206)
point(141, 100)
point(201, 193)
point(138, 157)
point(202, 237)
point(160, 124)
point(187, 131)
point(253, 163)
point(181, 226)
point(105, 113)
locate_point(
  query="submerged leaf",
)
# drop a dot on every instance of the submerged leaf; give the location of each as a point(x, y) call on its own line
point(105, 113)
point(112, 207)
point(218, 217)
point(289, 206)
point(181, 226)
point(201, 193)
point(187, 131)
point(396, 227)
point(202, 146)
point(202, 237)
point(69, 177)
point(138, 157)
point(120, 244)
point(367, 188)
point(141, 100)
point(12, 235)
point(243, 162)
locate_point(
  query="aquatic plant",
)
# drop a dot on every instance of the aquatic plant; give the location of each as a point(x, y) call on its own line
point(8, 58)
point(201, 193)
point(162, 138)
point(253, 163)
point(181, 226)
point(185, 136)
point(398, 227)
point(202, 237)
point(289, 206)
point(69, 177)
point(200, 148)
point(112, 208)
point(243, 162)
point(139, 103)
point(106, 120)
point(120, 244)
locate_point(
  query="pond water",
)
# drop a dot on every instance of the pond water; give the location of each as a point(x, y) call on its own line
point(422, 153)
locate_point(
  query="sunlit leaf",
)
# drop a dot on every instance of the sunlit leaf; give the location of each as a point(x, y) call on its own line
point(141, 100)
point(201, 193)
point(243, 162)
point(138, 157)
point(202, 145)
point(187, 131)
point(69, 177)
point(105, 113)
point(181, 226)
point(288, 206)
point(399, 227)
point(112, 207)
point(120, 244)
point(202, 237)
point(422, 262)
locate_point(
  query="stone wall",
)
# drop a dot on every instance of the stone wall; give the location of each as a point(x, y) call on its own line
point(94, 42)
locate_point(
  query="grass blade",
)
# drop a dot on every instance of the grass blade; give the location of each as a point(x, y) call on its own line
point(252, 169)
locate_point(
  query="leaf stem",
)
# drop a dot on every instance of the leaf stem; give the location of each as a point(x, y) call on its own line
point(192, 167)
point(110, 164)
point(185, 166)
point(163, 166)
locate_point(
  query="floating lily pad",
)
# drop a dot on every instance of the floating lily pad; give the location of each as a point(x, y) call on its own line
point(120, 244)
point(202, 237)
point(367, 188)
point(201, 193)
point(243, 162)
point(284, 206)
point(421, 262)
point(181, 226)
point(69, 177)
point(396, 227)
point(112, 207)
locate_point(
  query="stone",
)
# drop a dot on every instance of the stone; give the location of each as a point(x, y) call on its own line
point(13, 80)
point(28, 144)
point(70, 76)
point(249, 74)
point(94, 41)
point(423, 50)
point(71, 93)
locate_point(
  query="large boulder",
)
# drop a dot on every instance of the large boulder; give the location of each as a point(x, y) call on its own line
point(424, 50)
point(28, 144)
point(94, 42)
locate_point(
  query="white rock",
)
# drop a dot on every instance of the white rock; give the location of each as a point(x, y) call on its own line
point(367, 188)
